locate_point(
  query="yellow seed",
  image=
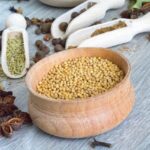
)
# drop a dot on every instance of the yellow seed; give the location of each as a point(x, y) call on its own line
point(80, 78)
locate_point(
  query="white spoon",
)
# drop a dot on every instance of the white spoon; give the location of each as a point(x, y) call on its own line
point(85, 19)
point(82, 38)
point(12, 31)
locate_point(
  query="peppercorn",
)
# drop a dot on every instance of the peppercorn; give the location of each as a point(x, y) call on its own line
point(58, 48)
point(44, 49)
point(82, 10)
point(45, 27)
point(38, 43)
point(74, 15)
point(47, 37)
point(91, 4)
point(63, 26)
point(38, 31)
point(81, 77)
point(56, 41)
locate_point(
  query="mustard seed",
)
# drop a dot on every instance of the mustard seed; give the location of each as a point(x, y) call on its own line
point(82, 77)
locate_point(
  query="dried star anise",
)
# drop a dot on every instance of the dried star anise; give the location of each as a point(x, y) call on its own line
point(7, 109)
point(24, 116)
point(11, 118)
point(7, 99)
point(6, 130)
point(15, 123)
point(4, 93)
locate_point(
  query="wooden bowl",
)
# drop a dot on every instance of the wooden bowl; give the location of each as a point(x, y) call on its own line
point(80, 118)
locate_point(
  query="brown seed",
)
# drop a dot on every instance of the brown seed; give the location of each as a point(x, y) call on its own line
point(45, 49)
point(56, 41)
point(82, 10)
point(38, 43)
point(63, 26)
point(38, 31)
point(63, 42)
point(74, 15)
point(58, 48)
point(45, 28)
point(90, 4)
point(47, 37)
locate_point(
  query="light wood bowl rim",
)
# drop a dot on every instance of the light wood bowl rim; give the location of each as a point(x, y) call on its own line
point(110, 91)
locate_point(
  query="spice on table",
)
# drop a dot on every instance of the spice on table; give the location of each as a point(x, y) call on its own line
point(58, 48)
point(118, 25)
point(45, 27)
point(64, 25)
point(96, 143)
point(11, 118)
point(15, 54)
point(59, 44)
point(47, 37)
point(38, 31)
point(82, 77)
point(148, 36)
point(91, 4)
point(7, 130)
point(136, 9)
point(15, 123)
point(16, 10)
point(42, 50)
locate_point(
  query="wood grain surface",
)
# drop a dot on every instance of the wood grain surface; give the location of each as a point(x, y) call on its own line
point(132, 134)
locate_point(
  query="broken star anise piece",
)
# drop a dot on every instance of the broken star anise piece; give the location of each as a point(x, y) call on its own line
point(7, 109)
point(7, 99)
point(6, 130)
point(4, 93)
point(15, 123)
point(22, 115)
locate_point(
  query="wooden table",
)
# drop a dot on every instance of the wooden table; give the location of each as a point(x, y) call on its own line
point(132, 134)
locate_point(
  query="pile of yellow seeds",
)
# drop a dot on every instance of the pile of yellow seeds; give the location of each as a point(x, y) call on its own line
point(80, 78)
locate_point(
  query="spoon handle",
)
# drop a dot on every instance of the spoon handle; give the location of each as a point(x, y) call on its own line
point(142, 24)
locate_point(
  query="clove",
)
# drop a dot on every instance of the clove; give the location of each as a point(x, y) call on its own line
point(96, 143)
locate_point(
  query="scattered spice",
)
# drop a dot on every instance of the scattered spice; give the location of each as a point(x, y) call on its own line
point(15, 54)
point(96, 143)
point(64, 25)
point(119, 25)
point(58, 48)
point(91, 4)
point(148, 36)
point(15, 123)
point(2, 75)
point(59, 44)
point(11, 118)
point(136, 9)
point(42, 50)
point(6, 130)
point(16, 10)
point(38, 31)
point(80, 78)
point(47, 37)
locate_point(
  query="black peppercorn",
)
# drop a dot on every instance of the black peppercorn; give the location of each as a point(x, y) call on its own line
point(63, 26)
point(58, 48)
